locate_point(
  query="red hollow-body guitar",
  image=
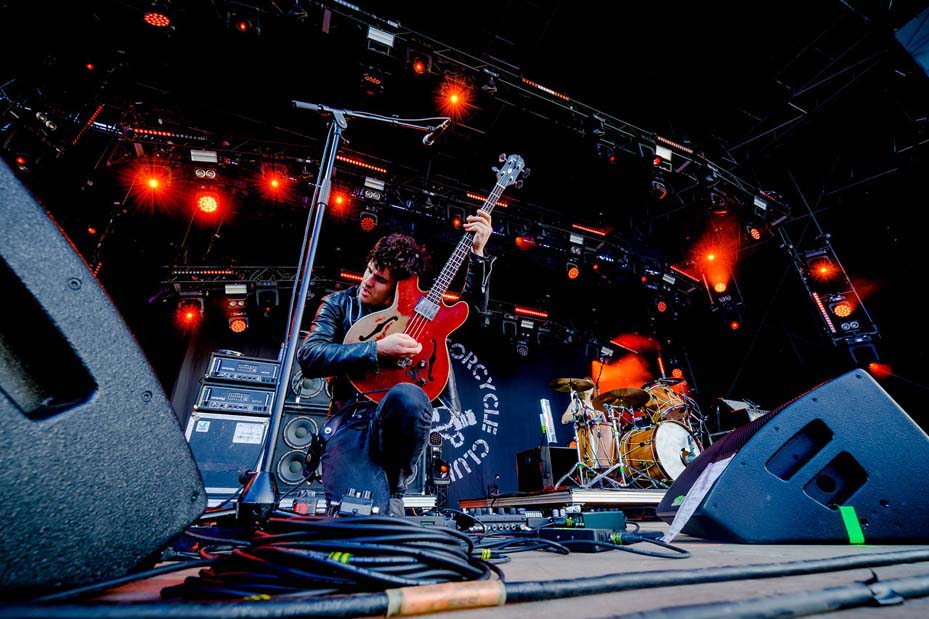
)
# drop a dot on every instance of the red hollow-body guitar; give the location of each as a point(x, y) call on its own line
point(424, 315)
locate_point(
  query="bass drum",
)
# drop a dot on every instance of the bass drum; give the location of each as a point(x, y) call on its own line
point(656, 456)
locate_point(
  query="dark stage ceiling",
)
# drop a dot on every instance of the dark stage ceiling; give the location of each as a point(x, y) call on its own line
point(814, 104)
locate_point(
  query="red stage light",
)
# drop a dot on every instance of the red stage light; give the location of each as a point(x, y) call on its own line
point(189, 314)
point(880, 371)
point(207, 202)
point(524, 243)
point(368, 221)
point(454, 98)
point(419, 66)
point(238, 325)
point(823, 270)
point(755, 233)
point(735, 325)
point(677, 373)
point(662, 307)
point(156, 19)
point(456, 222)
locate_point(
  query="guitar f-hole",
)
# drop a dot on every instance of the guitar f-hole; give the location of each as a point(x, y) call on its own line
point(380, 327)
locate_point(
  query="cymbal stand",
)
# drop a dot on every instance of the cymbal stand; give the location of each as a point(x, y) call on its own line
point(605, 475)
point(700, 425)
point(581, 469)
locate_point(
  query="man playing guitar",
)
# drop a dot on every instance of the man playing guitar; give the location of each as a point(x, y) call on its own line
point(374, 438)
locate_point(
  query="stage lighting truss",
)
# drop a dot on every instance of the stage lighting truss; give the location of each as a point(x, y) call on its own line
point(845, 318)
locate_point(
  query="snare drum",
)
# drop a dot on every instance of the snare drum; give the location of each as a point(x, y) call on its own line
point(658, 454)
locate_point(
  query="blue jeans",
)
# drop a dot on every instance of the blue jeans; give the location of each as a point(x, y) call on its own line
point(376, 448)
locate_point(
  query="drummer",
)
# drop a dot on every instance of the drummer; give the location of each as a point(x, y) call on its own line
point(582, 409)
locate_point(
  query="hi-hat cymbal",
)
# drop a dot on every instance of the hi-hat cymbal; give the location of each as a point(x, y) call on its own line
point(571, 384)
point(629, 397)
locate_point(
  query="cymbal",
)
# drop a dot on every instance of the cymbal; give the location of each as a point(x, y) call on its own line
point(669, 380)
point(628, 397)
point(571, 384)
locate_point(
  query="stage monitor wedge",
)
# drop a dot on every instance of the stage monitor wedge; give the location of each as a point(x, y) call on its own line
point(842, 463)
point(95, 475)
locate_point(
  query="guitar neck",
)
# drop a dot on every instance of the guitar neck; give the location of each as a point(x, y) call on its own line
point(444, 279)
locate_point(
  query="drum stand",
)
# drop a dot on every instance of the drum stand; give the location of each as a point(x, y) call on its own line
point(581, 469)
point(605, 475)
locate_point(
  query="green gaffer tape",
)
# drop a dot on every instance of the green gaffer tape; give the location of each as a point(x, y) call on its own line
point(852, 526)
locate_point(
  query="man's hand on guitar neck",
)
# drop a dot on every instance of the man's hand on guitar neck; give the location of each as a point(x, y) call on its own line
point(398, 346)
point(480, 225)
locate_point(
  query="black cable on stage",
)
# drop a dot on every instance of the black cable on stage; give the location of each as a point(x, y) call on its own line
point(489, 593)
point(515, 542)
point(97, 587)
point(624, 540)
point(575, 587)
point(300, 555)
point(810, 602)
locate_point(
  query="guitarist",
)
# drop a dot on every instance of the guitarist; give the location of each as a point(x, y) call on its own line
point(372, 446)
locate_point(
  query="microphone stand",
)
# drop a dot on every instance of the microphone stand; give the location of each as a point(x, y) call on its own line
point(259, 494)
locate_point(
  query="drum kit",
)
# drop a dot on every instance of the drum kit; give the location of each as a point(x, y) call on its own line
point(631, 437)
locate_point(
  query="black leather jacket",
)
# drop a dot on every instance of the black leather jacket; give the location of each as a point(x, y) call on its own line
point(324, 354)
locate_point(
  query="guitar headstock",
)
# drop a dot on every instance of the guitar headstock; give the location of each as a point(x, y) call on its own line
point(513, 167)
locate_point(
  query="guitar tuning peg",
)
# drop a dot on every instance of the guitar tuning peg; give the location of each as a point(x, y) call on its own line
point(525, 172)
point(518, 184)
point(502, 157)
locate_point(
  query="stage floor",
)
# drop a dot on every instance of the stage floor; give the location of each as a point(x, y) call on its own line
point(541, 567)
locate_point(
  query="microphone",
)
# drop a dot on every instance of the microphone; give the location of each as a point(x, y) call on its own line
point(430, 137)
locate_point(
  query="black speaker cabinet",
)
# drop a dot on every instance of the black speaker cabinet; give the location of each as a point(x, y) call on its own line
point(312, 393)
point(539, 468)
point(842, 463)
point(95, 474)
point(299, 427)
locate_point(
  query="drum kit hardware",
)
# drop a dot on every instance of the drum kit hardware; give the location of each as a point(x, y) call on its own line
point(631, 437)
point(565, 385)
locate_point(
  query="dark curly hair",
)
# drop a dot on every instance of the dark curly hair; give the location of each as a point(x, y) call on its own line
point(400, 253)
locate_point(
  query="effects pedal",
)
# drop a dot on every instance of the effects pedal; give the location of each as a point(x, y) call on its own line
point(487, 520)
point(429, 522)
point(602, 536)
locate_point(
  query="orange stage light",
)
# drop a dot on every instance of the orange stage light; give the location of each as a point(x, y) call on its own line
point(573, 271)
point(719, 287)
point(454, 98)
